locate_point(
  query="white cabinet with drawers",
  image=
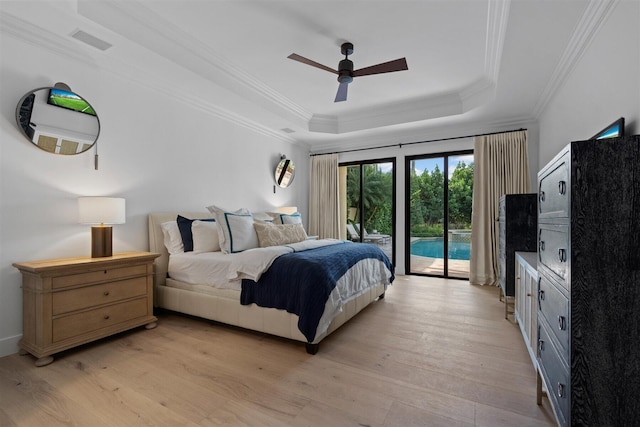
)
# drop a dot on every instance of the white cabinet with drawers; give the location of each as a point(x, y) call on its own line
point(526, 309)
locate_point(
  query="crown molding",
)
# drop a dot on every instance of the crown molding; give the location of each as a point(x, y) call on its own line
point(26, 32)
point(130, 18)
point(471, 96)
point(425, 133)
point(136, 22)
point(497, 19)
point(594, 16)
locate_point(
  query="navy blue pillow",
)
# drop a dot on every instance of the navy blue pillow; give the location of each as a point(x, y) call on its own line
point(184, 225)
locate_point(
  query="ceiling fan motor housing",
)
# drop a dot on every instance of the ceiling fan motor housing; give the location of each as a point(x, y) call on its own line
point(345, 71)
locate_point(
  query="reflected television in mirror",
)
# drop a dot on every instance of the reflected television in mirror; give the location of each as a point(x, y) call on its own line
point(57, 120)
point(69, 100)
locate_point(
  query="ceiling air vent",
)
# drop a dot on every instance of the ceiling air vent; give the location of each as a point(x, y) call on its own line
point(90, 40)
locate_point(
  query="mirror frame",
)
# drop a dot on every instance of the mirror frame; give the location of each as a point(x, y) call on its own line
point(59, 138)
point(285, 165)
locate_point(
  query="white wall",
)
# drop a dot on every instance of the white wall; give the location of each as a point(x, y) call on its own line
point(603, 86)
point(158, 153)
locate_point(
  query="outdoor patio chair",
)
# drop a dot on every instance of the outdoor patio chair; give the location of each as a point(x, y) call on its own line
point(355, 236)
point(382, 238)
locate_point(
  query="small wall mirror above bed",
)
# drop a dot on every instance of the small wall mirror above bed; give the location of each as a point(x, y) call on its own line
point(57, 120)
point(285, 172)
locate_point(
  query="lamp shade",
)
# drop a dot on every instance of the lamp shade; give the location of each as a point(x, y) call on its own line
point(101, 210)
point(287, 210)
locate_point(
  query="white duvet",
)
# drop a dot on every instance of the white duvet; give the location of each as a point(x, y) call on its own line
point(227, 271)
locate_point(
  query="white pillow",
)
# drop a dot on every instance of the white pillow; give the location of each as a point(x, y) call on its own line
point(235, 229)
point(262, 216)
point(172, 237)
point(205, 236)
point(280, 218)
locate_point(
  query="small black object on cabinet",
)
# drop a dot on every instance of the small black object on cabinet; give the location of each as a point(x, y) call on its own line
point(517, 214)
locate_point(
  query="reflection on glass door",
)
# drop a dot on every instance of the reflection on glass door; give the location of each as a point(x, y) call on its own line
point(439, 214)
point(367, 196)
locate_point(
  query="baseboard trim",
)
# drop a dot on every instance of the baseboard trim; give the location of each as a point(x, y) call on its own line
point(9, 345)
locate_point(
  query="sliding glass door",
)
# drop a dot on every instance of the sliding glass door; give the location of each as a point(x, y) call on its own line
point(438, 214)
point(367, 194)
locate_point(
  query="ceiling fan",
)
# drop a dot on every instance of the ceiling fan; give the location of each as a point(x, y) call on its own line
point(345, 70)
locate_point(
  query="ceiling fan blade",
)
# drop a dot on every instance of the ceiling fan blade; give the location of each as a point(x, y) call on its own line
point(304, 60)
point(385, 67)
point(342, 92)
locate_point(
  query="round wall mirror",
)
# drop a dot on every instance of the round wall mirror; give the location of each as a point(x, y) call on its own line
point(285, 172)
point(57, 120)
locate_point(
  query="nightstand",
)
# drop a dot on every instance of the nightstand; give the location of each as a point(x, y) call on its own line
point(73, 301)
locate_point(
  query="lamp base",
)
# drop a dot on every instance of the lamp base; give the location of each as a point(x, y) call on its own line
point(101, 238)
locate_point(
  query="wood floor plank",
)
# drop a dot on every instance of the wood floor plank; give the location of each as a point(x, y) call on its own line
point(433, 352)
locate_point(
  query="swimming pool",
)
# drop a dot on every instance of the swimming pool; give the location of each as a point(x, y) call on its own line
point(434, 248)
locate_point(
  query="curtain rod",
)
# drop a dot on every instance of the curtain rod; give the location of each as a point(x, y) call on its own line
point(399, 145)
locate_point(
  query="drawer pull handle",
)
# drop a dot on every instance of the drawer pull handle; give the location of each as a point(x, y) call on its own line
point(541, 196)
point(562, 255)
point(542, 245)
point(540, 346)
point(106, 317)
point(541, 295)
point(562, 187)
point(528, 294)
point(105, 272)
point(560, 390)
point(105, 293)
point(562, 323)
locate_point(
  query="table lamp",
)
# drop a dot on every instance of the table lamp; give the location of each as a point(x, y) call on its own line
point(101, 210)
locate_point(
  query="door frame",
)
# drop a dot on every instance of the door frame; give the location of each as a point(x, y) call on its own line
point(445, 225)
point(362, 163)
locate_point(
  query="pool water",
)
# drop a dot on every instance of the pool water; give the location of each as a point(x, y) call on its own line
point(434, 248)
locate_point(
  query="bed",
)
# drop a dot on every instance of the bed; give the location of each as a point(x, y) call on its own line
point(181, 292)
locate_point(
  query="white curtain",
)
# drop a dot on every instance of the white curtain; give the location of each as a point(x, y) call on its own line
point(501, 166)
point(324, 205)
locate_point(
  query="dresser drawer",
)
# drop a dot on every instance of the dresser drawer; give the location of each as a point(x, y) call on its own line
point(553, 250)
point(554, 307)
point(553, 191)
point(88, 321)
point(91, 296)
point(555, 374)
point(106, 274)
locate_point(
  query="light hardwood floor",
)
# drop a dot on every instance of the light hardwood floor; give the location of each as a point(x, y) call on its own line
point(433, 352)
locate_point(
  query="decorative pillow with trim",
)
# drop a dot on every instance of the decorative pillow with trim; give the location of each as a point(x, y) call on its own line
point(277, 235)
point(235, 229)
point(172, 237)
point(184, 224)
point(280, 218)
point(205, 236)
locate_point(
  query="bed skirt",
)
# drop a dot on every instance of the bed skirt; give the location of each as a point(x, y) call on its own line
point(224, 307)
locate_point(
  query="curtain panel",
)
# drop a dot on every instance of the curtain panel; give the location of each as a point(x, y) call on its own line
point(501, 166)
point(324, 205)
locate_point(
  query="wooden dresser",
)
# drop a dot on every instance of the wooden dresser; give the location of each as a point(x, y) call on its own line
point(589, 282)
point(72, 301)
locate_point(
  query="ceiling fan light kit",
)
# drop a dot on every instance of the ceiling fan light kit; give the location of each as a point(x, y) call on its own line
point(345, 70)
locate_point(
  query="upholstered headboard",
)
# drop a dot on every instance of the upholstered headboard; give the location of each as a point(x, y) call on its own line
point(156, 240)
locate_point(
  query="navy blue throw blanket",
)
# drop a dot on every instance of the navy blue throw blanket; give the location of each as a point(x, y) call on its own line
point(301, 282)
